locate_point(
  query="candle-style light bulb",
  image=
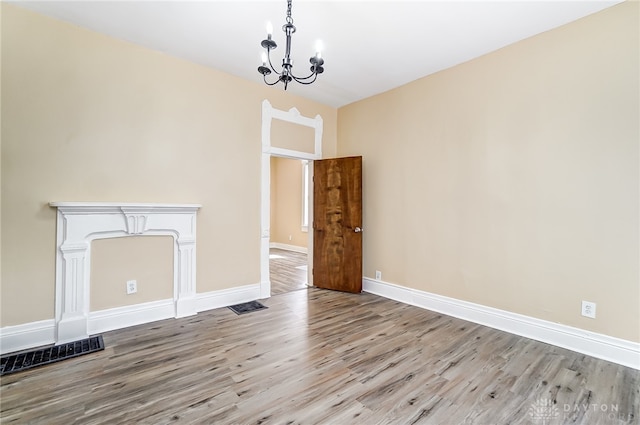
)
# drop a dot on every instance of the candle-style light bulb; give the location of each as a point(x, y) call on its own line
point(264, 59)
point(319, 49)
point(269, 29)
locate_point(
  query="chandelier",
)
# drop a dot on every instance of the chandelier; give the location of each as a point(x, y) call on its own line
point(286, 74)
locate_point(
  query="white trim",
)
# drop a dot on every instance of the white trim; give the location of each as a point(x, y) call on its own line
point(227, 297)
point(306, 185)
point(291, 154)
point(627, 353)
point(28, 335)
point(604, 347)
point(36, 334)
point(131, 315)
point(122, 317)
point(288, 247)
point(130, 208)
point(269, 113)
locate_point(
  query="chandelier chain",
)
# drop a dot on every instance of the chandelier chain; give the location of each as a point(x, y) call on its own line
point(289, 18)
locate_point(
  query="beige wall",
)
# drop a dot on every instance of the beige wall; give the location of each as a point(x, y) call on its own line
point(512, 180)
point(286, 199)
point(146, 259)
point(292, 136)
point(86, 117)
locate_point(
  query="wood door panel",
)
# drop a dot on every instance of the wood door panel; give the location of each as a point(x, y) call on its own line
point(337, 206)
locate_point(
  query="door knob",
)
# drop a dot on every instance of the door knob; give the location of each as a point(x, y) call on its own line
point(358, 229)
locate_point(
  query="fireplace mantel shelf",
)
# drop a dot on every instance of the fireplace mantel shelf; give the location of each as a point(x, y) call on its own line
point(118, 206)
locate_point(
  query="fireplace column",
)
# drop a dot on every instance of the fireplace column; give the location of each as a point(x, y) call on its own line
point(186, 296)
point(72, 323)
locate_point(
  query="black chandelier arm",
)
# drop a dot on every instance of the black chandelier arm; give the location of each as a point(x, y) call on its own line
point(264, 77)
point(271, 64)
point(303, 80)
point(315, 70)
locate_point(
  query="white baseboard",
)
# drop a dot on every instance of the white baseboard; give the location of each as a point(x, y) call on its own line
point(131, 315)
point(36, 334)
point(626, 353)
point(287, 247)
point(226, 297)
point(28, 335)
point(138, 314)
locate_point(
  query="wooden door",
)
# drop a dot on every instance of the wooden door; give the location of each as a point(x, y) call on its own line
point(337, 224)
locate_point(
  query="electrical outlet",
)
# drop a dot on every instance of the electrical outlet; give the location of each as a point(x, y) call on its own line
point(132, 287)
point(589, 309)
point(378, 275)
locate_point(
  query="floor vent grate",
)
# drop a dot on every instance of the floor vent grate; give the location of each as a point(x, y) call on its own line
point(22, 361)
point(247, 307)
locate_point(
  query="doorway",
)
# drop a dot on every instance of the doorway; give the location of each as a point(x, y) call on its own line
point(339, 254)
point(293, 121)
point(288, 270)
point(288, 243)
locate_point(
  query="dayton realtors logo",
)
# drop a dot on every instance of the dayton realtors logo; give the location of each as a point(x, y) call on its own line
point(543, 411)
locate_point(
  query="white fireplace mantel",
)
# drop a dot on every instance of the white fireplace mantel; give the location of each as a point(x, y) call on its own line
point(79, 223)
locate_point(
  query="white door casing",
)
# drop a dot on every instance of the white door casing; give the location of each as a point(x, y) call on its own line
point(292, 116)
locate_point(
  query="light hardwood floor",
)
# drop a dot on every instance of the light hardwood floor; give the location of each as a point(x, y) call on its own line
point(287, 271)
point(323, 357)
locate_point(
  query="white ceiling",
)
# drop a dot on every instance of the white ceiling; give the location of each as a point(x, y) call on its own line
point(369, 46)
